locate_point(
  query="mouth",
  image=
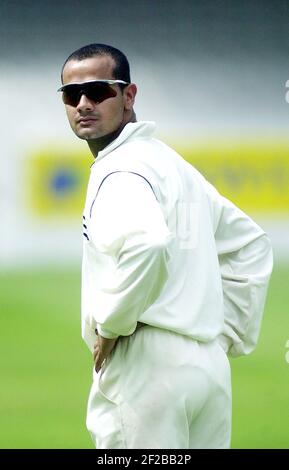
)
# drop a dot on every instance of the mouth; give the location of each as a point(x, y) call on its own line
point(86, 121)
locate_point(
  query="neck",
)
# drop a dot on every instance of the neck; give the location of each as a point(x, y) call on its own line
point(96, 145)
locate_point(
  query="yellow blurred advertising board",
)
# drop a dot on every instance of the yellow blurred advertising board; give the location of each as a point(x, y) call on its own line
point(56, 182)
point(254, 175)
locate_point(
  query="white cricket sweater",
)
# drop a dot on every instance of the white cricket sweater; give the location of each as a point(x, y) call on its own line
point(163, 247)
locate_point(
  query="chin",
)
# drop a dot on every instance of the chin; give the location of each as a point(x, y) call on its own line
point(89, 135)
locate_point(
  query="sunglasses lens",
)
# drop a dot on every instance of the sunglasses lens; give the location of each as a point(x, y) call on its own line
point(94, 91)
point(99, 92)
point(71, 95)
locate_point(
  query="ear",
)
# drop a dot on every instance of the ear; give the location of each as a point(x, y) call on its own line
point(129, 96)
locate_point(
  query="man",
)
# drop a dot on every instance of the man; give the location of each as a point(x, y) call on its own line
point(174, 275)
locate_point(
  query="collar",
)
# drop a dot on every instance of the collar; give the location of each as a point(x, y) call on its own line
point(131, 131)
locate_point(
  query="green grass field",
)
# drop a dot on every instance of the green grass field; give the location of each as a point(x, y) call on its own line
point(46, 368)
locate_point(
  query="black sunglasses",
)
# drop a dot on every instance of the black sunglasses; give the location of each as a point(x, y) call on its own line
point(94, 90)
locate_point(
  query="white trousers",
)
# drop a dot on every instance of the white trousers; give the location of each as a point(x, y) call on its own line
point(161, 390)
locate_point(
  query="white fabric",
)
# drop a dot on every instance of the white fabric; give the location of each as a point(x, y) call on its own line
point(161, 390)
point(163, 247)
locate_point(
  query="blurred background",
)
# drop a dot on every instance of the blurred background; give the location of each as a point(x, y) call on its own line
point(213, 75)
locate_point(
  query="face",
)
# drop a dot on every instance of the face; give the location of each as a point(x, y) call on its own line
point(90, 120)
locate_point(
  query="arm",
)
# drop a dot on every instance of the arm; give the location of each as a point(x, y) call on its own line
point(245, 259)
point(128, 226)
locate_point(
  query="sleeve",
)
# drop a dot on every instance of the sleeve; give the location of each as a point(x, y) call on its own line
point(127, 224)
point(246, 261)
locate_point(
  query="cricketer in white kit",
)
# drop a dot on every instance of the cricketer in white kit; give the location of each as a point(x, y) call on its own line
point(174, 274)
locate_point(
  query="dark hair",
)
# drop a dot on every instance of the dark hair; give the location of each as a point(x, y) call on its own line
point(121, 70)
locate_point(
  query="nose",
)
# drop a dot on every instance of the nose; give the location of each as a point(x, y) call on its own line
point(85, 104)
